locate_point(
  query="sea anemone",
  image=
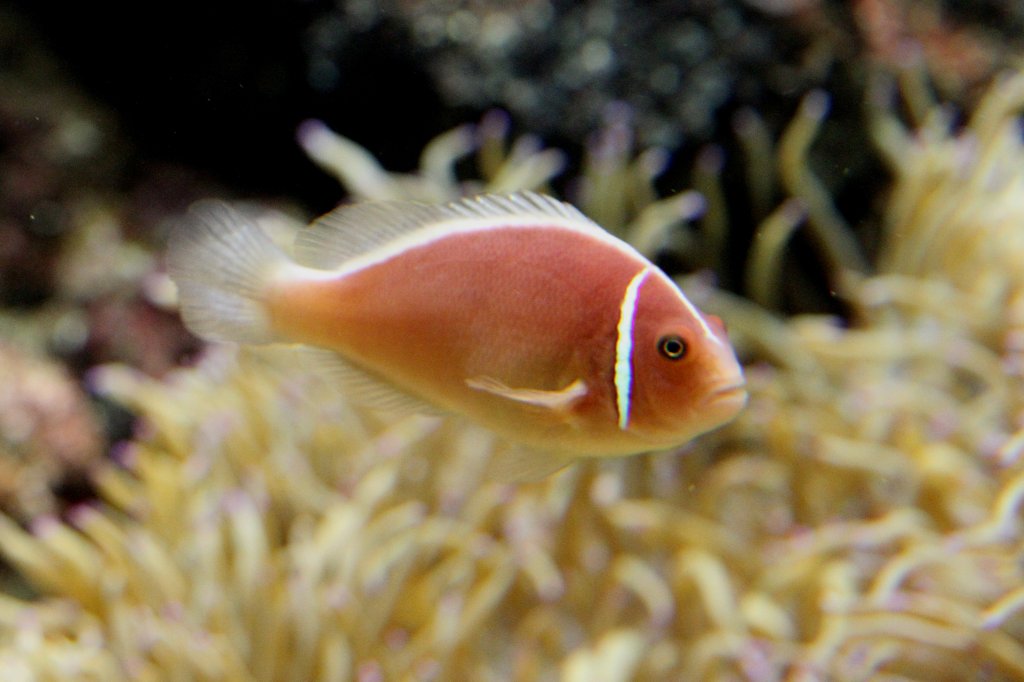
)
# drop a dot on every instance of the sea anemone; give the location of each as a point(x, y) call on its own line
point(862, 518)
point(615, 187)
point(957, 208)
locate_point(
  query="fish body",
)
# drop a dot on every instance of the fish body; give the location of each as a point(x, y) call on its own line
point(513, 310)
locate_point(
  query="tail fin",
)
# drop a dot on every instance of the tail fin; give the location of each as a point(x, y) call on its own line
point(222, 261)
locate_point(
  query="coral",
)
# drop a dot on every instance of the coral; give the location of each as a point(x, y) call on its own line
point(956, 49)
point(56, 147)
point(49, 435)
point(557, 65)
point(76, 223)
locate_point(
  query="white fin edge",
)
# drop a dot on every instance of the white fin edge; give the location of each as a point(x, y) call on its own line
point(356, 236)
point(709, 333)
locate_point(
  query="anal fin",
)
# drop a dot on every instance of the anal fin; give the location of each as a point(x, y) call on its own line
point(519, 464)
point(363, 387)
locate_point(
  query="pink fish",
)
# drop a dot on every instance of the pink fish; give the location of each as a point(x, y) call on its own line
point(514, 310)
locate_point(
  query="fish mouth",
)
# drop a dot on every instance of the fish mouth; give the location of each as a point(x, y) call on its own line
point(730, 393)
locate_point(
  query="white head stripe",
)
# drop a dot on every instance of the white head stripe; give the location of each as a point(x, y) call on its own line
point(697, 315)
point(710, 335)
point(624, 347)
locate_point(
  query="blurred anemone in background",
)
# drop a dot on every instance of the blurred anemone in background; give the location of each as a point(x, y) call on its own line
point(861, 519)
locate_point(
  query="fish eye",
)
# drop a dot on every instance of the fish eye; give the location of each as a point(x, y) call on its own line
point(672, 346)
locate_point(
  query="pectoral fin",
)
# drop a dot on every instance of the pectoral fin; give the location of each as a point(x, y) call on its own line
point(553, 400)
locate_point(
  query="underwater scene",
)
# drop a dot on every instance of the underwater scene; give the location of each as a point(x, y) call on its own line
point(827, 197)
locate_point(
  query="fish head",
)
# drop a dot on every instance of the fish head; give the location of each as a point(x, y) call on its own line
point(686, 378)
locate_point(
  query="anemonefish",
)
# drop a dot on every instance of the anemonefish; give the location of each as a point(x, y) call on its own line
point(516, 311)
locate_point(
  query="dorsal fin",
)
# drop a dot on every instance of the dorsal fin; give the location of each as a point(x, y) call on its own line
point(519, 203)
point(358, 229)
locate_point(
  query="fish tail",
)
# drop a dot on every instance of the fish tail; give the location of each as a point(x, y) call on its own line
point(223, 262)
